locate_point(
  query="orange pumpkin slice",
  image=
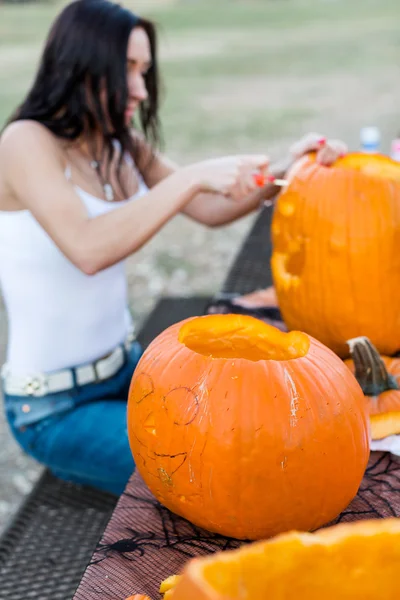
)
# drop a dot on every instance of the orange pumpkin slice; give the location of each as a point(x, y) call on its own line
point(358, 561)
point(379, 378)
point(169, 584)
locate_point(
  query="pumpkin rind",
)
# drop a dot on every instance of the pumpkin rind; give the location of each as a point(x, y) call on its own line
point(335, 261)
point(247, 448)
point(352, 561)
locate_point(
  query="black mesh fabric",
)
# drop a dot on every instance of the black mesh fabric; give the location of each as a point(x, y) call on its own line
point(145, 543)
point(44, 552)
point(251, 268)
point(170, 310)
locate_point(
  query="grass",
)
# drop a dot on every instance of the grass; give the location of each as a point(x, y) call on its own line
point(243, 74)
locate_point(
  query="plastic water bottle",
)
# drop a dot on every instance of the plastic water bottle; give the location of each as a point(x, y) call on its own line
point(370, 139)
point(395, 149)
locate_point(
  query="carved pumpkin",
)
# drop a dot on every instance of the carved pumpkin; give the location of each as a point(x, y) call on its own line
point(336, 259)
point(379, 378)
point(357, 561)
point(245, 430)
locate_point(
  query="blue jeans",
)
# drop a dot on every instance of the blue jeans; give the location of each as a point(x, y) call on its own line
point(80, 435)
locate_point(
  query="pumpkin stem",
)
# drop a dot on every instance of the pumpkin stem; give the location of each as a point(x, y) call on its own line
point(370, 370)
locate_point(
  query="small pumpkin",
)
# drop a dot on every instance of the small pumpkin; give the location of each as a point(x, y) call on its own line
point(245, 430)
point(379, 378)
point(335, 261)
point(352, 561)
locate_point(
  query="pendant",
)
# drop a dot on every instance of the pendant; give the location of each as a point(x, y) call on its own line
point(108, 192)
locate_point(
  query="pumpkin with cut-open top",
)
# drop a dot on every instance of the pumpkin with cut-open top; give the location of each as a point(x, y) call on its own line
point(336, 259)
point(245, 430)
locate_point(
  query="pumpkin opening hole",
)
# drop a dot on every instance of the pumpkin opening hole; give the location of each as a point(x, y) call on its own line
point(240, 336)
point(150, 424)
point(295, 262)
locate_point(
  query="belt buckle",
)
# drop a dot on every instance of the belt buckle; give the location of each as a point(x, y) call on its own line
point(36, 386)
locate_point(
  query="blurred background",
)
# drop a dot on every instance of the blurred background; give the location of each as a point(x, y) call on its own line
point(239, 76)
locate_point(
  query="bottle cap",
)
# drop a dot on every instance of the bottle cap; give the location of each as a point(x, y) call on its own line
point(370, 138)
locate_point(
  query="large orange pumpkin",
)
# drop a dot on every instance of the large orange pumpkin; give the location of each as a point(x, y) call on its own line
point(336, 259)
point(379, 378)
point(245, 430)
point(352, 561)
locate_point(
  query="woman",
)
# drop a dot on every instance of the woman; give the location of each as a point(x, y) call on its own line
point(80, 190)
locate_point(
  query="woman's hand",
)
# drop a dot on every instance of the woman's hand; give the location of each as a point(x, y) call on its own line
point(327, 150)
point(331, 151)
point(231, 176)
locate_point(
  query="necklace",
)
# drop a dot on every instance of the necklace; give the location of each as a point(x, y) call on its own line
point(107, 187)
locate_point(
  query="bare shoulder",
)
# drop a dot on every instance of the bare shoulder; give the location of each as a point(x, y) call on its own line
point(30, 155)
point(19, 133)
point(28, 140)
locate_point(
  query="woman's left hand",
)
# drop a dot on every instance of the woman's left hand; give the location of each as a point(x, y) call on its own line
point(331, 151)
point(327, 150)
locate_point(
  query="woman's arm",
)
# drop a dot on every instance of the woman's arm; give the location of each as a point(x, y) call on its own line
point(214, 210)
point(218, 210)
point(209, 208)
point(36, 179)
point(33, 171)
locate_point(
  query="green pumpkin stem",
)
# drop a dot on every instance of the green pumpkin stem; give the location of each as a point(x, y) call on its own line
point(370, 370)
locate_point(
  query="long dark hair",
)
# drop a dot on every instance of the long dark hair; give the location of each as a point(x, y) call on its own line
point(86, 51)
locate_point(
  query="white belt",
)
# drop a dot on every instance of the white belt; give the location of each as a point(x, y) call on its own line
point(42, 384)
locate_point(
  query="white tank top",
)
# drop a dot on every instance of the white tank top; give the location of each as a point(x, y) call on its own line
point(58, 317)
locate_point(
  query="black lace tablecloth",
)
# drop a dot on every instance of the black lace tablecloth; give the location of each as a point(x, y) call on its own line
point(144, 542)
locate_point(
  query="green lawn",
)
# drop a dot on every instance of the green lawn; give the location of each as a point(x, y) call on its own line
point(248, 74)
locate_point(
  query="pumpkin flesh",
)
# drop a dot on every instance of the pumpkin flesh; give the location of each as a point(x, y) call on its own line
point(243, 445)
point(358, 561)
point(239, 338)
point(335, 261)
